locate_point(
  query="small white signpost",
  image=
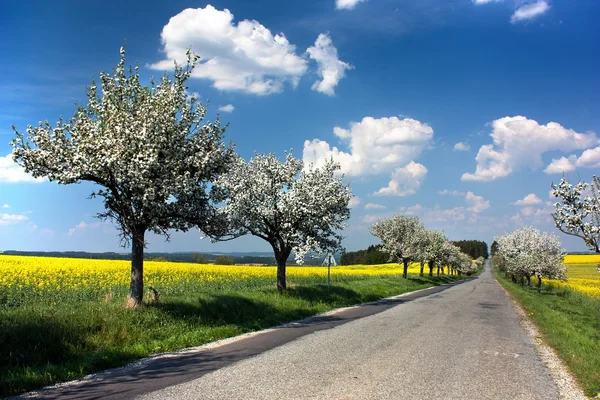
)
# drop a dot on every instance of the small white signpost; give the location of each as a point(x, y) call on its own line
point(329, 260)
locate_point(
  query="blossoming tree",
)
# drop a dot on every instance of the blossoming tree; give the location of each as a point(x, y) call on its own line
point(528, 252)
point(292, 207)
point(401, 237)
point(578, 212)
point(430, 248)
point(146, 148)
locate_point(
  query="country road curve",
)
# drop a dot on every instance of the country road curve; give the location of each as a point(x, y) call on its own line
point(462, 343)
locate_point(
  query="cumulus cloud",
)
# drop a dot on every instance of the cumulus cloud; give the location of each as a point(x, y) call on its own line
point(12, 172)
point(529, 200)
point(590, 158)
point(330, 68)
point(529, 11)
point(405, 180)
point(460, 146)
point(374, 206)
point(243, 57)
point(5, 206)
point(476, 203)
point(519, 142)
point(227, 108)
point(10, 219)
point(347, 4)
point(376, 145)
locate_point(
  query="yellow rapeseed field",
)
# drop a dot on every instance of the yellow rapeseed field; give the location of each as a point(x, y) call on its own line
point(44, 275)
point(582, 274)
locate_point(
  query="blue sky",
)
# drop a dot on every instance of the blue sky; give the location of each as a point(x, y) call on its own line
point(460, 111)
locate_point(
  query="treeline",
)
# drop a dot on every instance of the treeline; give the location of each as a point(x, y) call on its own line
point(372, 255)
point(474, 248)
point(375, 255)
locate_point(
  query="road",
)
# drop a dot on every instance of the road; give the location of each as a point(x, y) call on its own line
point(463, 343)
point(457, 342)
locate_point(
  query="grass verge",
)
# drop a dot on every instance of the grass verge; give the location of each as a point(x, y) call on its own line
point(44, 342)
point(569, 322)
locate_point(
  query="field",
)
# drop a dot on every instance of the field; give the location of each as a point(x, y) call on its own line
point(63, 318)
point(582, 275)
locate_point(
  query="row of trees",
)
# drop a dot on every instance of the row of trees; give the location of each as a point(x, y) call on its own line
point(159, 166)
point(527, 252)
point(406, 240)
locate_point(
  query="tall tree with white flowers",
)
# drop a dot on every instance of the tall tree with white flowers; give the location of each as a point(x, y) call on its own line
point(578, 211)
point(147, 149)
point(290, 206)
point(401, 238)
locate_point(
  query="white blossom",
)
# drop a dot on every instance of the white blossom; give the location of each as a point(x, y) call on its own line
point(146, 148)
point(401, 237)
point(578, 212)
point(292, 208)
point(528, 252)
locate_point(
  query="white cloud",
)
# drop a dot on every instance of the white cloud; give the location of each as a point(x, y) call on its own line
point(529, 11)
point(376, 145)
point(519, 143)
point(590, 158)
point(447, 192)
point(243, 57)
point(405, 180)
point(12, 172)
point(460, 146)
point(529, 200)
point(227, 108)
point(5, 206)
point(347, 4)
point(354, 201)
point(330, 68)
point(10, 219)
point(561, 165)
point(486, 1)
point(374, 206)
point(476, 203)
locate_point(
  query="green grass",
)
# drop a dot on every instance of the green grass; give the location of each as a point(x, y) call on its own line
point(569, 322)
point(45, 341)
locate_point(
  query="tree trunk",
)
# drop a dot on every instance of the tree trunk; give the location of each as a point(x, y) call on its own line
point(539, 285)
point(422, 268)
point(431, 265)
point(136, 287)
point(528, 281)
point(281, 257)
point(405, 272)
point(281, 283)
point(438, 271)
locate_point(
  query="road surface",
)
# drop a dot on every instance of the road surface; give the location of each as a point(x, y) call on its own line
point(461, 341)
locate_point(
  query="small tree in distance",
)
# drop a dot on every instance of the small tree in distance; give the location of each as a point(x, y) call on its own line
point(401, 237)
point(290, 207)
point(147, 150)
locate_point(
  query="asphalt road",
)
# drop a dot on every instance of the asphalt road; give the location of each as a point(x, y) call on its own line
point(462, 343)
